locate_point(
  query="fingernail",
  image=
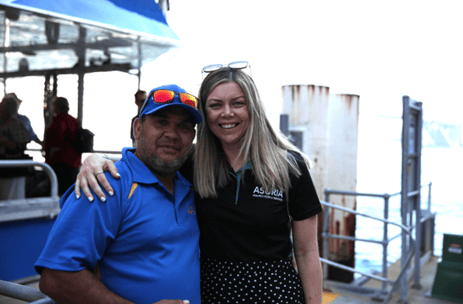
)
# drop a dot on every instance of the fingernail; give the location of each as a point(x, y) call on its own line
point(77, 196)
point(103, 199)
point(111, 193)
point(186, 301)
point(90, 198)
point(118, 174)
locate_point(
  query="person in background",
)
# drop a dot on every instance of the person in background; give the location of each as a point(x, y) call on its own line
point(13, 141)
point(25, 120)
point(145, 239)
point(60, 151)
point(253, 191)
point(13, 134)
point(140, 97)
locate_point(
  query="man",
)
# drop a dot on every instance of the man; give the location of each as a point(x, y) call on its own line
point(25, 120)
point(13, 141)
point(13, 134)
point(140, 97)
point(60, 151)
point(145, 238)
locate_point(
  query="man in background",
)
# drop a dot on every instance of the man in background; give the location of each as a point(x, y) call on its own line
point(13, 141)
point(14, 136)
point(140, 97)
point(60, 151)
point(25, 120)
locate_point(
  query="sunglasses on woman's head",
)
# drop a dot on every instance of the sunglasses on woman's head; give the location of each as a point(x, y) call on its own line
point(235, 65)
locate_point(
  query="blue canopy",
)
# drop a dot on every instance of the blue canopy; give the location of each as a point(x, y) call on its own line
point(142, 16)
point(59, 35)
point(55, 37)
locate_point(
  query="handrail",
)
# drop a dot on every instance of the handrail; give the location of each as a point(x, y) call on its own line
point(23, 293)
point(95, 151)
point(407, 229)
point(29, 163)
point(354, 270)
point(28, 208)
point(365, 215)
point(330, 191)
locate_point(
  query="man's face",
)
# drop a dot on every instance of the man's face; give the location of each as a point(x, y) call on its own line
point(164, 139)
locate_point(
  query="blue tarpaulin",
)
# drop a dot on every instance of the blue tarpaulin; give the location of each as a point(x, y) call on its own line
point(142, 16)
point(47, 34)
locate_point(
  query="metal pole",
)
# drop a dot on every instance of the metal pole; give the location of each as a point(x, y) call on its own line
point(385, 240)
point(404, 196)
point(326, 219)
point(417, 186)
point(418, 241)
point(81, 74)
point(429, 197)
point(6, 43)
point(139, 63)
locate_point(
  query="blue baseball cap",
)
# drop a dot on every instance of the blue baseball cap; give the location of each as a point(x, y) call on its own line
point(150, 106)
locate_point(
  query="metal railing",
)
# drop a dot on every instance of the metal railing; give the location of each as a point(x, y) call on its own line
point(27, 208)
point(383, 294)
point(24, 293)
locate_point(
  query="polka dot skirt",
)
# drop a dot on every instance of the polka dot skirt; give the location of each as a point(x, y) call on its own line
point(257, 282)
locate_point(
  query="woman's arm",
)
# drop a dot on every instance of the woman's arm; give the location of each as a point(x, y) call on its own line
point(308, 259)
point(90, 176)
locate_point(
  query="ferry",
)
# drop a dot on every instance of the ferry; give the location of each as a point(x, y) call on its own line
point(43, 31)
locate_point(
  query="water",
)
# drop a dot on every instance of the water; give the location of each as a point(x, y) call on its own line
point(379, 171)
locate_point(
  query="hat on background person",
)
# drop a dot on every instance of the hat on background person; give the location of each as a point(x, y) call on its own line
point(14, 97)
point(152, 106)
point(9, 107)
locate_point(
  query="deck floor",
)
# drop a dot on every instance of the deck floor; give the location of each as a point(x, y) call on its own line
point(415, 296)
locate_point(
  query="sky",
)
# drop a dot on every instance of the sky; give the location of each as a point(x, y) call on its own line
point(379, 50)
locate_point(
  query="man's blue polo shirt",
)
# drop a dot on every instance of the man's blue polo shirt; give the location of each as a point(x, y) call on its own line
point(145, 239)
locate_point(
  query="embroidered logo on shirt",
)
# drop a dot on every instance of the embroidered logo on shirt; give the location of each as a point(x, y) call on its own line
point(191, 210)
point(276, 194)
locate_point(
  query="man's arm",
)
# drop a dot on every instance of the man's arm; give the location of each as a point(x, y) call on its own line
point(76, 287)
point(82, 287)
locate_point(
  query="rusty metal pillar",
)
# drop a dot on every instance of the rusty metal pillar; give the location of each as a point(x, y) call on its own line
point(341, 174)
point(329, 126)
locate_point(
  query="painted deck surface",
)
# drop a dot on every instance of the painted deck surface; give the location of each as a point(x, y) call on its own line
point(421, 296)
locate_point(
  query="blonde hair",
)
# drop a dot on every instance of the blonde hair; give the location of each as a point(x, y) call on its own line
point(264, 148)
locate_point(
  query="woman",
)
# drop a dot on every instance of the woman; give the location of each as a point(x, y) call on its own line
point(250, 182)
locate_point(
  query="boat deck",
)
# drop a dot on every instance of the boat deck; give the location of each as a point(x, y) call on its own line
point(418, 296)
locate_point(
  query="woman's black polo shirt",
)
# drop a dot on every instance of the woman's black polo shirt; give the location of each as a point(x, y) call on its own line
point(246, 224)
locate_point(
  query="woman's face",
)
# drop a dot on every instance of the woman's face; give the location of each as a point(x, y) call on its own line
point(227, 113)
